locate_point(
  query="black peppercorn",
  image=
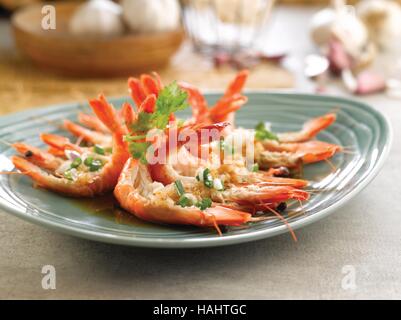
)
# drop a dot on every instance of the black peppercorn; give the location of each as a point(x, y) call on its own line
point(28, 154)
point(282, 172)
point(281, 207)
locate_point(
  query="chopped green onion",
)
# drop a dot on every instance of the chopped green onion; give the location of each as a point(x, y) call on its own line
point(68, 175)
point(208, 183)
point(204, 203)
point(95, 165)
point(184, 201)
point(108, 150)
point(99, 150)
point(179, 187)
point(88, 161)
point(255, 167)
point(261, 133)
point(207, 178)
point(76, 163)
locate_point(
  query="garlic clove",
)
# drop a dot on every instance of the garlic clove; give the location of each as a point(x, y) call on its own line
point(341, 23)
point(151, 15)
point(315, 65)
point(97, 18)
point(383, 21)
point(338, 57)
point(370, 82)
point(320, 27)
point(351, 31)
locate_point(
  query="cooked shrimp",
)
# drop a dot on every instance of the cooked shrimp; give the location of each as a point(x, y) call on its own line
point(95, 132)
point(167, 173)
point(224, 109)
point(83, 172)
point(146, 85)
point(270, 153)
point(293, 149)
point(239, 185)
point(162, 171)
point(92, 122)
point(152, 201)
point(87, 135)
point(310, 129)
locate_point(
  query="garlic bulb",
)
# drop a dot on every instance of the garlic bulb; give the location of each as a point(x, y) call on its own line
point(151, 15)
point(383, 19)
point(97, 18)
point(320, 27)
point(342, 24)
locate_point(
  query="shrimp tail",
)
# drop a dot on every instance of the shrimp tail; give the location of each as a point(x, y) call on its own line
point(92, 122)
point(85, 134)
point(59, 142)
point(109, 117)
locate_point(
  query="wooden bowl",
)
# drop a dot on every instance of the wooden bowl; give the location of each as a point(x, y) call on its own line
point(14, 4)
point(58, 50)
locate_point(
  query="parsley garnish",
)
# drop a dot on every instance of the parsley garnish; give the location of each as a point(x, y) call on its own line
point(170, 100)
point(138, 150)
point(261, 133)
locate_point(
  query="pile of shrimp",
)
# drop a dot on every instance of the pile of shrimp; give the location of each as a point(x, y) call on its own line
point(202, 192)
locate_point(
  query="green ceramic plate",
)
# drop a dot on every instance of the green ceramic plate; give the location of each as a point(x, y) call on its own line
point(359, 127)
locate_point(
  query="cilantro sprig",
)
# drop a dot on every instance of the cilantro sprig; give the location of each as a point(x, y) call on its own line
point(261, 133)
point(170, 100)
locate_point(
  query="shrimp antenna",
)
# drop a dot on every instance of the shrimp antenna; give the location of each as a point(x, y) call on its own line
point(332, 166)
point(52, 122)
point(335, 109)
point(291, 203)
point(14, 172)
point(216, 226)
point(295, 213)
point(316, 191)
point(348, 151)
point(79, 140)
point(6, 143)
point(258, 219)
point(347, 147)
point(85, 108)
point(301, 206)
point(285, 222)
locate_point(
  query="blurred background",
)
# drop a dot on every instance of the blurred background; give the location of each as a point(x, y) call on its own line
point(59, 51)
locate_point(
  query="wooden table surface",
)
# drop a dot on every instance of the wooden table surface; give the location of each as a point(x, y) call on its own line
point(363, 236)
